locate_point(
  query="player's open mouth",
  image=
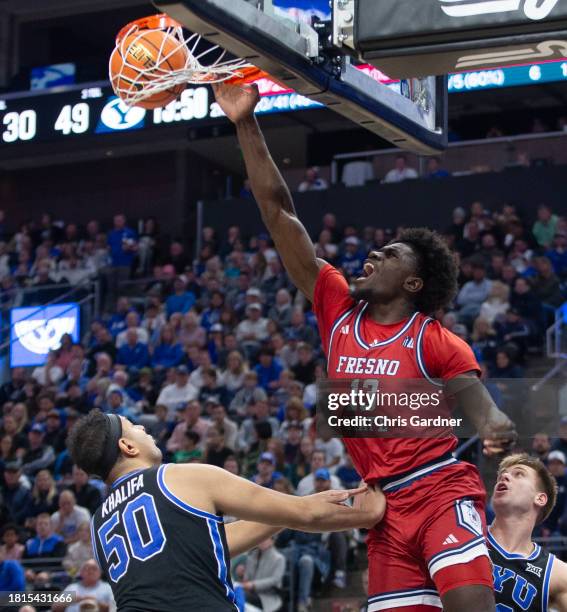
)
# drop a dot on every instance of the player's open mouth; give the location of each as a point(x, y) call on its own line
point(368, 270)
point(501, 487)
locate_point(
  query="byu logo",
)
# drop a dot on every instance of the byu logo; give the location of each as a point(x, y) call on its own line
point(533, 9)
point(43, 335)
point(116, 115)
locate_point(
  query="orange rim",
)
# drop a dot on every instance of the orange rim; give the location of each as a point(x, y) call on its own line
point(153, 22)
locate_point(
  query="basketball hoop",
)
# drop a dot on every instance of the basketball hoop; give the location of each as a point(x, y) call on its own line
point(164, 71)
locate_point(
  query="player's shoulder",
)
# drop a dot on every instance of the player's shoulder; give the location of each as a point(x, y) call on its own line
point(558, 581)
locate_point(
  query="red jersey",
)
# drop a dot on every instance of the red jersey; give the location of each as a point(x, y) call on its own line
point(357, 348)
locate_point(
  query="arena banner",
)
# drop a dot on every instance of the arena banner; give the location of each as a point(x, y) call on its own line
point(405, 38)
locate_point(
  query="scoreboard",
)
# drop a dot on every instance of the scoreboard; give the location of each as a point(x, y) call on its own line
point(68, 113)
point(73, 113)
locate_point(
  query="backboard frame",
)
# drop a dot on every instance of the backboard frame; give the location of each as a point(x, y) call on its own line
point(294, 57)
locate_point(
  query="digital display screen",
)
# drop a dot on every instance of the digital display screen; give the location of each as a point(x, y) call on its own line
point(36, 330)
point(77, 112)
point(74, 112)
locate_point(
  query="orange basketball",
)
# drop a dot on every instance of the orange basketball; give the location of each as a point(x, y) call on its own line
point(141, 57)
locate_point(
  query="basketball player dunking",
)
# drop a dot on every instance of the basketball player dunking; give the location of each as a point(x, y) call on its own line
point(525, 576)
point(429, 551)
point(159, 536)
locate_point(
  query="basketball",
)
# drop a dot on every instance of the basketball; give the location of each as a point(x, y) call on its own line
point(142, 57)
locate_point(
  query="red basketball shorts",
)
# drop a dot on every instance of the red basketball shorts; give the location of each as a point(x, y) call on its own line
point(431, 539)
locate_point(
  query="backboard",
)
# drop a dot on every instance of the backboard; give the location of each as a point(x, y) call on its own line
point(411, 114)
point(409, 38)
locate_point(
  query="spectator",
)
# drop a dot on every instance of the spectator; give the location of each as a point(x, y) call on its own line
point(179, 392)
point(117, 322)
point(557, 254)
point(249, 394)
point(266, 471)
point(401, 171)
point(38, 456)
point(332, 447)
point(86, 495)
point(167, 353)
point(352, 260)
point(45, 549)
point(254, 328)
point(50, 373)
point(192, 334)
point(216, 452)
point(306, 485)
point(473, 294)
point(546, 284)
point(44, 496)
point(67, 519)
point(16, 496)
point(524, 301)
point(268, 370)
point(90, 588)
point(189, 450)
point(228, 428)
point(132, 323)
point(235, 373)
point(545, 227)
point(306, 554)
point(263, 577)
point(123, 243)
point(203, 364)
point(80, 551)
point(211, 390)
point(12, 576)
point(116, 405)
point(514, 330)
point(312, 181)
point(497, 304)
point(304, 369)
point(11, 548)
point(133, 354)
point(484, 341)
point(181, 300)
point(541, 445)
point(505, 367)
point(434, 169)
point(192, 421)
point(259, 412)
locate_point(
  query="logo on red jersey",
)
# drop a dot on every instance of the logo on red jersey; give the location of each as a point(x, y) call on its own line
point(367, 365)
point(408, 342)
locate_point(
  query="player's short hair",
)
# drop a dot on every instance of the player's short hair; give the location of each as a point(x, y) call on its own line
point(545, 479)
point(87, 442)
point(436, 267)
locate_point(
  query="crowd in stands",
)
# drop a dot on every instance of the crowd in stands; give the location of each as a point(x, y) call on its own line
point(218, 358)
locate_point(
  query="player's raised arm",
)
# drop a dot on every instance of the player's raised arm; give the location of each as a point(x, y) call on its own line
point(270, 190)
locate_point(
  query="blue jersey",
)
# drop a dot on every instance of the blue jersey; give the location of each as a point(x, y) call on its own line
point(520, 583)
point(157, 552)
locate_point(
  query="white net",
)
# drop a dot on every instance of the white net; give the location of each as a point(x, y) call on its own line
point(203, 63)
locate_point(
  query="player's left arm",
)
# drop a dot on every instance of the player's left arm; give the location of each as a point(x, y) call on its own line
point(450, 359)
point(493, 426)
point(242, 536)
point(558, 586)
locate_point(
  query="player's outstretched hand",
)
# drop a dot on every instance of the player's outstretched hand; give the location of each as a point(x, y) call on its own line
point(237, 101)
point(499, 435)
point(334, 496)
